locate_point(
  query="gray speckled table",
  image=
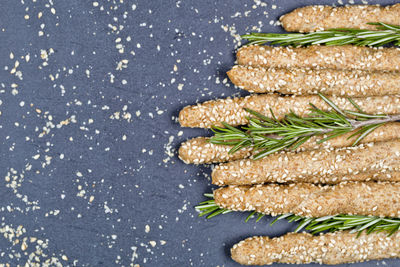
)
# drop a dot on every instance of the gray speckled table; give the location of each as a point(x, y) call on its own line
point(89, 94)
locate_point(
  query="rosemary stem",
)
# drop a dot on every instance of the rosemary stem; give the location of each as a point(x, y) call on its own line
point(354, 125)
point(388, 118)
point(359, 124)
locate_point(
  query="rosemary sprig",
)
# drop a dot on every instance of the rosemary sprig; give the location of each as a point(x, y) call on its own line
point(385, 34)
point(354, 223)
point(209, 207)
point(269, 135)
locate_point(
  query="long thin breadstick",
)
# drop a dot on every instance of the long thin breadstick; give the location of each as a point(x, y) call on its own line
point(353, 83)
point(200, 151)
point(315, 18)
point(231, 110)
point(316, 166)
point(334, 57)
point(309, 200)
point(331, 248)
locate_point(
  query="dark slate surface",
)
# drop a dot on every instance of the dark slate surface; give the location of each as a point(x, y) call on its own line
point(88, 171)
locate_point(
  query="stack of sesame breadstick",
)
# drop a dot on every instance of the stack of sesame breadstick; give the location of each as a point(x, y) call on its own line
point(342, 246)
point(317, 179)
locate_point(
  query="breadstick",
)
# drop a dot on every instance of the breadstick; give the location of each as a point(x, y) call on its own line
point(309, 200)
point(330, 248)
point(200, 151)
point(353, 83)
point(316, 18)
point(315, 56)
point(316, 166)
point(231, 110)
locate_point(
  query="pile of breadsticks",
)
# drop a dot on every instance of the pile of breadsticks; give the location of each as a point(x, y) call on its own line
point(319, 179)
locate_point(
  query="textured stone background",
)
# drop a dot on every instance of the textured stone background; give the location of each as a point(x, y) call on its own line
point(89, 94)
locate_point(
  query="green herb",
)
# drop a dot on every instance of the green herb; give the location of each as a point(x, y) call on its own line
point(209, 207)
point(385, 34)
point(354, 223)
point(269, 135)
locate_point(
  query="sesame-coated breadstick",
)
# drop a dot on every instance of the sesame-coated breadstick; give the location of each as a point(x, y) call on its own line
point(310, 200)
point(319, 17)
point(231, 110)
point(316, 166)
point(300, 81)
point(315, 56)
point(200, 151)
point(330, 248)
